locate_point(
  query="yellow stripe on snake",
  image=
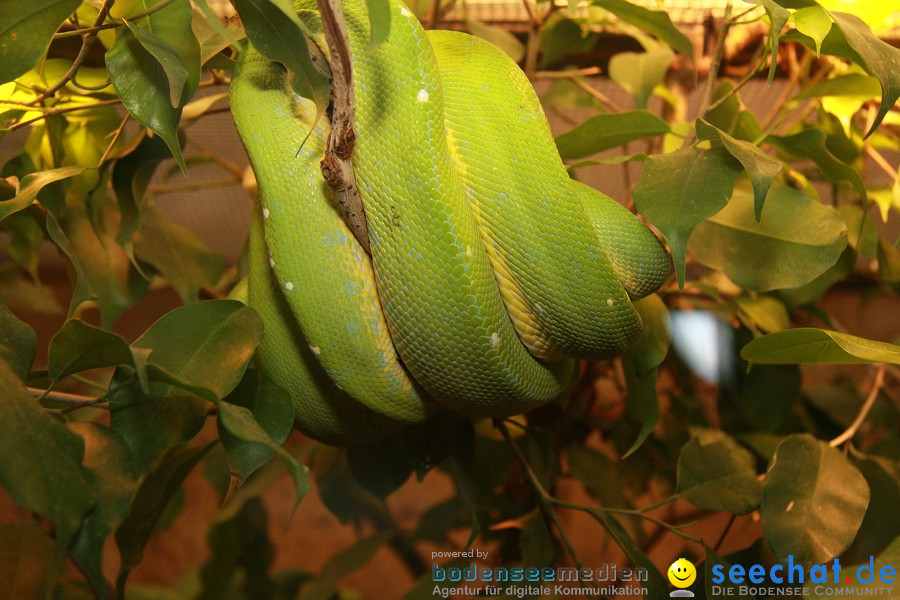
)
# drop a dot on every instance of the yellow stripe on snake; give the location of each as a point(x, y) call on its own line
point(490, 269)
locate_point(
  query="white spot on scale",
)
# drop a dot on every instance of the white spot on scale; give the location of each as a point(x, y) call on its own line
point(271, 262)
point(288, 286)
point(468, 250)
point(422, 96)
point(610, 301)
point(789, 506)
point(315, 350)
point(339, 387)
point(495, 340)
point(405, 11)
point(265, 213)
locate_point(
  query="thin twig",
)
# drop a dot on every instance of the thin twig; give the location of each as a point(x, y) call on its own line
point(64, 109)
point(113, 25)
point(864, 411)
point(724, 533)
point(714, 67)
point(569, 73)
point(337, 167)
point(603, 98)
point(546, 500)
point(187, 186)
point(86, 44)
point(220, 160)
point(63, 397)
point(744, 81)
point(882, 162)
point(533, 44)
point(115, 139)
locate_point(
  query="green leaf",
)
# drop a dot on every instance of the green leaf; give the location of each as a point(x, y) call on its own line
point(212, 34)
point(383, 466)
point(108, 465)
point(655, 22)
point(562, 92)
point(716, 473)
point(778, 18)
point(729, 116)
point(640, 72)
point(602, 132)
point(324, 585)
point(499, 37)
point(274, 29)
point(811, 144)
point(131, 175)
point(678, 191)
point(813, 22)
point(651, 347)
point(813, 501)
point(79, 347)
point(890, 557)
point(46, 476)
point(878, 57)
point(600, 476)
point(797, 240)
point(150, 500)
point(178, 254)
point(339, 490)
point(168, 58)
point(271, 409)
point(850, 84)
point(810, 345)
point(26, 238)
point(26, 31)
point(562, 36)
point(764, 312)
point(142, 85)
point(181, 347)
point(18, 342)
point(26, 557)
point(379, 21)
point(761, 168)
point(879, 527)
point(31, 185)
point(242, 423)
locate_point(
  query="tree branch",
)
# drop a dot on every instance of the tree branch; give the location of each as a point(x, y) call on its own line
point(864, 411)
point(337, 167)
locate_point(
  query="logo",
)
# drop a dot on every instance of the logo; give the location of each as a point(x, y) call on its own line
point(682, 574)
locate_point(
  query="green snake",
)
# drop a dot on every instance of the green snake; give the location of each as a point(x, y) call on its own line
point(491, 270)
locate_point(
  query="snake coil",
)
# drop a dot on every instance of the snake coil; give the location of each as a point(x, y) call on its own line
point(490, 269)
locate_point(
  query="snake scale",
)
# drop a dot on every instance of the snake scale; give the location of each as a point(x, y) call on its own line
point(491, 270)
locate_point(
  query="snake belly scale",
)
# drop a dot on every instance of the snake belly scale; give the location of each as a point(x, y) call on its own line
point(490, 269)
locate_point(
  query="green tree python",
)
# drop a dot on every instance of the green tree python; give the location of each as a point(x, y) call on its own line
point(491, 271)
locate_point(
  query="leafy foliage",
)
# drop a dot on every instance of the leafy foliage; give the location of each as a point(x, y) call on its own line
point(763, 214)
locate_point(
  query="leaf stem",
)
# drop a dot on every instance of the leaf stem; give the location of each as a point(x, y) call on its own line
point(97, 27)
point(568, 73)
point(546, 500)
point(714, 67)
point(848, 434)
point(115, 138)
point(58, 110)
point(86, 44)
point(744, 81)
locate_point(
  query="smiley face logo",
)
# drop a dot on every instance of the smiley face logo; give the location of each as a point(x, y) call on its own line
point(682, 573)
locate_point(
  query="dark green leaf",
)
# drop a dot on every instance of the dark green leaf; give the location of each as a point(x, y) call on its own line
point(108, 465)
point(655, 22)
point(813, 501)
point(640, 73)
point(26, 554)
point(536, 543)
point(561, 36)
point(814, 290)
point(602, 132)
point(850, 84)
point(562, 92)
point(174, 64)
point(641, 401)
point(25, 239)
point(242, 424)
point(797, 240)
point(141, 84)
point(878, 57)
point(241, 556)
point(889, 558)
point(26, 31)
point(18, 342)
point(383, 466)
point(339, 490)
point(79, 347)
point(324, 585)
point(271, 408)
point(498, 36)
point(813, 22)
point(274, 29)
point(729, 116)
point(810, 345)
point(46, 476)
point(150, 500)
point(600, 476)
point(880, 525)
point(678, 191)
point(651, 347)
point(761, 168)
point(715, 473)
point(811, 144)
point(31, 185)
point(181, 347)
point(539, 447)
point(130, 177)
point(178, 254)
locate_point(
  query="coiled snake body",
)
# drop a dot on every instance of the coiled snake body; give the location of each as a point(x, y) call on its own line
point(490, 268)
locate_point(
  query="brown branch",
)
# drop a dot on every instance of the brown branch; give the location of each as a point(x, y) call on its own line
point(336, 166)
point(848, 434)
point(65, 109)
point(115, 138)
point(569, 73)
point(86, 44)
